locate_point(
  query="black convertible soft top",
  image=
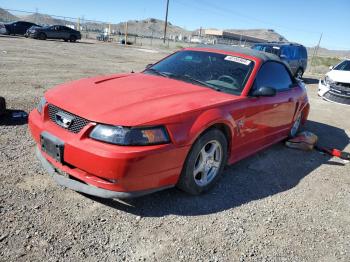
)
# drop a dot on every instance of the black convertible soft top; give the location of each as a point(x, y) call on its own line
point(246, 51)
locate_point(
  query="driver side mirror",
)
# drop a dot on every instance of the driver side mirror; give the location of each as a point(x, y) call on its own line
point(265, 91)
point(149, 65)
point(331, 67)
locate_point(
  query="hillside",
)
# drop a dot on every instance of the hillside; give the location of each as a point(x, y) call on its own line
point(6, 16)
point(155, 27)
point(43, 19)
point(151, 27)
point(330, 53)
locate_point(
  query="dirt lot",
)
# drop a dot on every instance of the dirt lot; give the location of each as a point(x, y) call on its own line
point(278, 205)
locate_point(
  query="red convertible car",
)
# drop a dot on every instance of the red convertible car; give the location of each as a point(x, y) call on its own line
point(177, 123)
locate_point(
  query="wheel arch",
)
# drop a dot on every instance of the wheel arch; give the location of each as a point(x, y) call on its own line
point(214, 119)
point(305, 113)
point(42, 34)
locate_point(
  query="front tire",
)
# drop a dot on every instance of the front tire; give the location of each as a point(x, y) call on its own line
point(204, 163)
point(72, 38)
point(42, 36)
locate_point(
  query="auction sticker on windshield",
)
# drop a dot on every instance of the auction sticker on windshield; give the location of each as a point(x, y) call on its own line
point(237, 60)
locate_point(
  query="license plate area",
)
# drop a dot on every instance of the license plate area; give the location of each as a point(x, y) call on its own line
point(52, 146)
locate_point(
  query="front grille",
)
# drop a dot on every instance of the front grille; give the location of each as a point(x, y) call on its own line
point(340, 84)
point(341, 89)
point(78, 122)
point(338, 99)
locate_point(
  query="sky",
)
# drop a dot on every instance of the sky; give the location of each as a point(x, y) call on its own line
point(298, 21)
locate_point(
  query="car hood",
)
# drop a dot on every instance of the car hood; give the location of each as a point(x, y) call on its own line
point(339, 76)
point(133, 99)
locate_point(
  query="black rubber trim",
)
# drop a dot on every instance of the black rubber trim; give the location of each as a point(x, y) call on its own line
point(89, 189)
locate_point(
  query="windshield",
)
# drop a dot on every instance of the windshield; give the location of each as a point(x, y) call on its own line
point(344, 66)
point(217, 71)
point(268, 49)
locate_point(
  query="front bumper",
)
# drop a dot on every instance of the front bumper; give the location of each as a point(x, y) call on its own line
point(88, 189)
point(120, 169)
point(336, 94)
point(31, 34)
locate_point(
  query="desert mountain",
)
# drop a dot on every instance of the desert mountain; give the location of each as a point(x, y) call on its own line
point(151, 27)
point(6, 16)
point(268, 34)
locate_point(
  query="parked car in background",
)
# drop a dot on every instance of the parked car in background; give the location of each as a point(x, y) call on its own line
point(31, 28)
point(18, 28)
point(177, 123)
point(3, 30)
point(54, 32)
point(335, 86)
point(295, 55)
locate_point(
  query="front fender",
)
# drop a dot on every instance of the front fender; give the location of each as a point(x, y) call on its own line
point(209, 118)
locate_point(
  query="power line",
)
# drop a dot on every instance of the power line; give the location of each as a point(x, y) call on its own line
point(166, 19)
point(54, 16)
point(210, 7)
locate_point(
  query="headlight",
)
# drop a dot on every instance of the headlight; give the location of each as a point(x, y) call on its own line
point(126, 136)
point(41, 105)
point(328, 80)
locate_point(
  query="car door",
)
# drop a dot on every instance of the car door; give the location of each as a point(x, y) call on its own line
point(15, 28)
point(53, 32)
point(267, 119)
point(18, 28)
point(24, 27)
point(62, 32)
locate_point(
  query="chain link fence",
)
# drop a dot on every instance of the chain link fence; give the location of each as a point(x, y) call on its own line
point(99, 30)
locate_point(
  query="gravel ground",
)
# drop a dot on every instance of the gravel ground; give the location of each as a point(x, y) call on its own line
point(278, 205)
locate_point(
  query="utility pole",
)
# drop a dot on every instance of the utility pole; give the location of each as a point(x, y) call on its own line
point(166, 20)
point(78, 24)
point(126, 33)
point(36, 15)
point(318, 45)
point(315, 53)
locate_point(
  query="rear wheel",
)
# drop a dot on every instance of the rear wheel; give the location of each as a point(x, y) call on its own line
point(72, 38)
point(65, 40)
point(42, 36)
point(204, 163)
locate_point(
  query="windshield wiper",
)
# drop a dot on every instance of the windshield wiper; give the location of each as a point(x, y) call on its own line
point(157, 72)
point(189, 78)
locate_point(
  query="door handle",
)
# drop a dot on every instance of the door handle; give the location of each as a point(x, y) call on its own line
point(291, 100)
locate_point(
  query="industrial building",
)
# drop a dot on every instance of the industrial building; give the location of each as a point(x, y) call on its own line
point(215, 36)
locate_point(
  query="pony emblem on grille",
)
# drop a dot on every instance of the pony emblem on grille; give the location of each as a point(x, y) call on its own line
point(64, 119)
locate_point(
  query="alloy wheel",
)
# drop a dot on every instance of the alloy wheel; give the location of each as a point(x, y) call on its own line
point(208, 163)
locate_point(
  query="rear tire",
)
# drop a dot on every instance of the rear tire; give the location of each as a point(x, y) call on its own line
point(42, 36)
point(204, 163)
point(65, 40)
point(72, 38)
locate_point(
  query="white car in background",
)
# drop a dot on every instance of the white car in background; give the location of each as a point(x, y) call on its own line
point(335, 87)
point(3, 30)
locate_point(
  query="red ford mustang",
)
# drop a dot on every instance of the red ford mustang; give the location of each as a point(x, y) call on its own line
point(177, 123)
